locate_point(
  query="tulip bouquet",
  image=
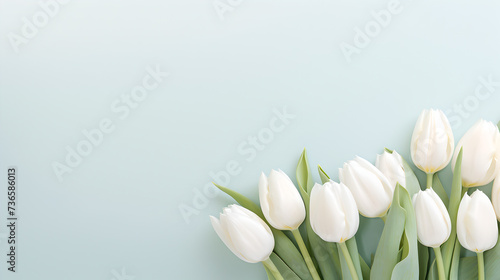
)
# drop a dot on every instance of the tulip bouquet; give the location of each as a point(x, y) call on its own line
point(309, 232)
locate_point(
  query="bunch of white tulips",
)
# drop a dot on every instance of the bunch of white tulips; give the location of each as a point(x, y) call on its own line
point(330, 211)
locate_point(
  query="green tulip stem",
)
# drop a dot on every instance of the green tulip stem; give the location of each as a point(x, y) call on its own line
point(429, 180)
point(274, 270)
point(348, 260)
point(305, 254)
point(439, 261)
point(480, 266)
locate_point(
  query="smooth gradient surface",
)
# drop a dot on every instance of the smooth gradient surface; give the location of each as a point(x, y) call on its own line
point(249, 85)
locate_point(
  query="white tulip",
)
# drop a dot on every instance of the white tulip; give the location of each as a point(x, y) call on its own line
point(244, 233)
point(433, 220)
point(280, 201)
point(333, 212)
point(481, 154)
point(476, 223)
point(432, 141)
point(495, 196)
point(370, 188)
point(391, 165)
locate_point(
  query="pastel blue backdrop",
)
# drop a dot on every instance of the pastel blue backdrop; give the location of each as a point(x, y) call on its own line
point(352, 77)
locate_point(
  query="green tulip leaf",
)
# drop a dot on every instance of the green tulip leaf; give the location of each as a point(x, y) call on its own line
point(423, 261)
point(325, 255)
point(365, 269)
point(449, 246)
point(243, 201)
point(322, 174)
point(305, 183)
point(433, 273)
point(303, 174)
point(283, 246)
point(400, 227)
point(498, 124)
point(468, 269)
point(437, 186)
point(321, 251)
point(283, 268)
point(491, 261)
point(455, 261)
point(408, 267)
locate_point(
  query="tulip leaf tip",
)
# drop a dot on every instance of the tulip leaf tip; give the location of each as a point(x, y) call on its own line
point(219, 186)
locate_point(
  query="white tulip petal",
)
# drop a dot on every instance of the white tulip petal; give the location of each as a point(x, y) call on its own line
point(351, 212)
point(224, 237)
point(316, 208)
point(244, 233)
point(433, 221)
point(264, 197)
point(244, 211)
point(495, 196)
point(375, 171)
point(290, 210)
point(373, 196)
point(281, 202)
point(415, 137)
point(425, 141)
point(391, 165)
point(476, 222)
point(450, 145)
point(443, 212)
point(432, 141)
point(327, 219)
point(482, 220)
point(249, 237)
point(461, 225)
point(481, 153)
point(333, 213)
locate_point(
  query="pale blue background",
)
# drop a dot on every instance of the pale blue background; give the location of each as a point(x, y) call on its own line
point(120, 207)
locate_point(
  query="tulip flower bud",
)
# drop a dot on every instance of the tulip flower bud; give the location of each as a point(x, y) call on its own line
point(244, 233)
point(391, 165)
point(333, 212)
point(432, 141)
point(476, 223)
point(280, 201)
point(433, 220)
point(370, 188)
point(481, 154)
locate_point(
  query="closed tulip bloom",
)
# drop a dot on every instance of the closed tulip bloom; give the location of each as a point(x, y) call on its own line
point(244, 233)
point(432, 141)
point(433, 220)
point(280, 201)
point(481, 153)
point(495, 196)
point(476, 223)
point(369, 187)
point(333, 212)
point(391, 165)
